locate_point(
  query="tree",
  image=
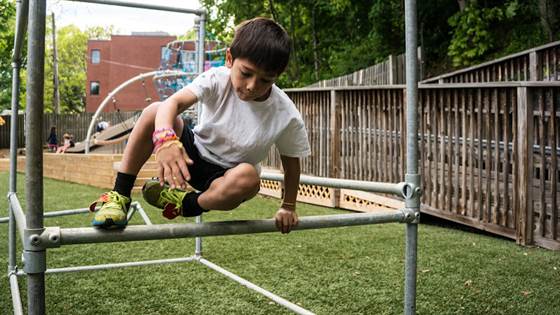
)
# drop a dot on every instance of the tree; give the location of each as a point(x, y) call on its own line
point(72, 59)
point(7, 29)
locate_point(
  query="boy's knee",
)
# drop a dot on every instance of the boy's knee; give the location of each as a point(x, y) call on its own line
point(247, 180)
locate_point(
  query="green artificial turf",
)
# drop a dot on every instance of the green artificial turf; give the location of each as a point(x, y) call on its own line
point(350, 270)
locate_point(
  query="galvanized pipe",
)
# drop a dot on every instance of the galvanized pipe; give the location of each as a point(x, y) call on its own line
point(117, 265)
point(398, 189)
point(17, 212)
point(143, 6)
point(16, 296)
point(34, 154)
point(413, 200)
point(55, 237)
point(201, 52)
point(22, 9)
point(287, 304)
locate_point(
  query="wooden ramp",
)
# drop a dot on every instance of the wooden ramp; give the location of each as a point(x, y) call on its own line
point(113, 132)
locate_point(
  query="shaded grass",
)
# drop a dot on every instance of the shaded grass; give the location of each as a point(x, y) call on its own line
point(354, 270)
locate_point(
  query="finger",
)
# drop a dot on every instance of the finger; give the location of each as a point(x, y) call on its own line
point(278, 223)
point(168, 176)
point(176, 176)
point(184, 170)
point(187, 158)
point(161, 177)
point(286, 225)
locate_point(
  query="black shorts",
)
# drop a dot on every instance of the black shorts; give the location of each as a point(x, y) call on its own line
point(203, 173)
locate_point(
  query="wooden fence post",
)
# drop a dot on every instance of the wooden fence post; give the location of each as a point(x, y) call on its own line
point(335, 125)
point(533, 66)
point(392, 70)
point(524, 202)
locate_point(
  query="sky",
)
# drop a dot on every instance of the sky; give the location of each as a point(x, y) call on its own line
point(125, 19)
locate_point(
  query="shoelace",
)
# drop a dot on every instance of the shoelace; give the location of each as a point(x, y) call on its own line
point(167, 196)
point(116, 199)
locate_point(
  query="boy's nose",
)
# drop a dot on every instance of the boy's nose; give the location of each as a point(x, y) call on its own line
point(251, 85)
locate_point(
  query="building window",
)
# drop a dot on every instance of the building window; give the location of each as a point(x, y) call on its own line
point(95, 56)
point(94, 88)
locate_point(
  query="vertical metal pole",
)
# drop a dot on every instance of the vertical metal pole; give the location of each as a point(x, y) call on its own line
point(412, 176)
point(200, 51)
point(13, 165)
point(35, 261)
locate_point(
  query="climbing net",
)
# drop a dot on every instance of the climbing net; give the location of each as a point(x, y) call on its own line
point(180, 57)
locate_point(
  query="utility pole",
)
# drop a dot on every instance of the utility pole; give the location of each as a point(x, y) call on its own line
point(56, 92)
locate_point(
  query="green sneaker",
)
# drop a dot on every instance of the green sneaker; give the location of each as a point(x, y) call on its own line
point(112, 213)
point(170, 200)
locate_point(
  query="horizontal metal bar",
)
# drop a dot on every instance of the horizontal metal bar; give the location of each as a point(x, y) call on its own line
point(398, 189)
point(287, 304)
point(19, 216)
point(117, 265)
point(51, 214)
point(55, 236)
point(16, 296)
point(144, 6)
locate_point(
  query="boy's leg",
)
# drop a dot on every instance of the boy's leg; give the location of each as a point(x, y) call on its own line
point(226, 192)
point(136, 153)
point(238, 184)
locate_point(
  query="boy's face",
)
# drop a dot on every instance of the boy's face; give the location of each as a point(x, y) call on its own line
point(249, 81)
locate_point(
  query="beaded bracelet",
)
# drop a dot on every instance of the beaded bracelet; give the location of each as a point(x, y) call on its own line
point(162, 135)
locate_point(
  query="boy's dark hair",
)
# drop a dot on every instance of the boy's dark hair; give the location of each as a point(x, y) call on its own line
point(263, 42)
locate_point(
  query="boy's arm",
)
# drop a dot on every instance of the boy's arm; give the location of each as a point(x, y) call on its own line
point(173, 159)
point(286, 216)
point(173, 106)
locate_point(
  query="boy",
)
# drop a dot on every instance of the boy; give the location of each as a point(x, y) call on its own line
point(243, 115)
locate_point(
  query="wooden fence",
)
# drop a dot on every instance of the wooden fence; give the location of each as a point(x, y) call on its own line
point(75, 124)
point(488, 153)
point(390, 71)
point(538, 64)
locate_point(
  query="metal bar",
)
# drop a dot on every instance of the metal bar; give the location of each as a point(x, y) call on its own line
point(412, 177)
point(18, 214)
point(21, 23)
point(287, 304)
point(54, 237)
point(389, 188)
point(201, 47)
point(143, 214)
point(22, 9)
point(51, 214)
point(198, 239)
point(143, 6)
point(34, 153)
point(16, 296)
point(117, 265)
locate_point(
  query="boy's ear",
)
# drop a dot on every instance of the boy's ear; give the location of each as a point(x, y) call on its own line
point(229, 58)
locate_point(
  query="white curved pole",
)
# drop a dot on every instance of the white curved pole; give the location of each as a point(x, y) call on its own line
point(117, 90)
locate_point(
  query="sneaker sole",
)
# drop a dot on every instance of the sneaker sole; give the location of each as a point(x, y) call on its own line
point(109, 224)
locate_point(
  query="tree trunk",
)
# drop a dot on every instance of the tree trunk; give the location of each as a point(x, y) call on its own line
point(272, 10)
point(462, 4)
point(546, 12)
point(315, 53)
point(296, 73)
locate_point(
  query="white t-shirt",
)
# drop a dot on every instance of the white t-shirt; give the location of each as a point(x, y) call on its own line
point(231, 131)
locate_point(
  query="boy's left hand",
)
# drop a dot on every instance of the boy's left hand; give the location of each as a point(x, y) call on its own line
point(286, 220)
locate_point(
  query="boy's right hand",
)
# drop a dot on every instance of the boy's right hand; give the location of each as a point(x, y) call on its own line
point(173, 166)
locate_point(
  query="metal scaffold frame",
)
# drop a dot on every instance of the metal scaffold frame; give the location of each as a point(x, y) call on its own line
point(37, 238)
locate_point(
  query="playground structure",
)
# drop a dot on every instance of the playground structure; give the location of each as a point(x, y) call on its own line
point(37, 239)
point(178, 68)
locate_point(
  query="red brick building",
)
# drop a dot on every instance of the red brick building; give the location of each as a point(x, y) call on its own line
point(112, 62)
